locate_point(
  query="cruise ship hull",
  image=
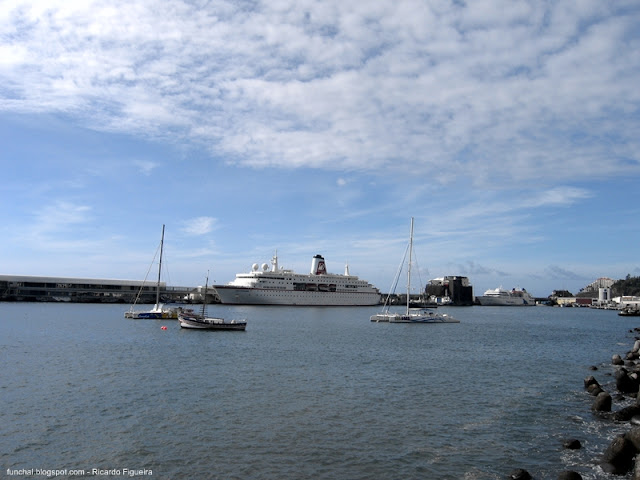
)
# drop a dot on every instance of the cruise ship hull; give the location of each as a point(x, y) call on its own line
point(231, 295)
point(506, 301)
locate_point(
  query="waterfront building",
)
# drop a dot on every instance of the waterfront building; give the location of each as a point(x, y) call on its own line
point(452, 290)
point(27, 288)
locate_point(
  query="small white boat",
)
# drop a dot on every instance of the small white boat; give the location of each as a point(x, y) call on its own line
point(411, 315)
point(196, 321)
point(189, 319)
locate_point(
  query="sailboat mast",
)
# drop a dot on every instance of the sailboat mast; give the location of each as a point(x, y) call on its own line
point(159, 268)
point(204, 296)
point(409, 267)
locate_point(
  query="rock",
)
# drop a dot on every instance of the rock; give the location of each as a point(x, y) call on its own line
point(625, 383)
point(569, 475)
point(635, 420)
point(618, 457)
point(617, 360)
point(590, 380)
point(520, 474)
point(636, 346)
point(633, 436)
point(594, 389)
point(602, 403)
point(593, 368)
point(572, 444)
point(627, 413)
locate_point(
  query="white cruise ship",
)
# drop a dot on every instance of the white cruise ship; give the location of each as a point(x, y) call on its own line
point(501, 297)
point(278, 286)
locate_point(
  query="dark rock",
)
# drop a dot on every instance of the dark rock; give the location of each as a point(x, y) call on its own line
point(618, 457)
point(633, 436)
point(617, 360)
point(627, 413)
point(590, 380)
point(569, 475)
point(572, 444)
point(602, 403)
point(625, 383)
point(593, 368)
point(594, 389)
point(520, 474)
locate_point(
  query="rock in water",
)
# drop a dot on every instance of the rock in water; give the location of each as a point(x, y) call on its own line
point(624, 383)
point(618, 457)
point(572, 444)
point(520, 474)
point(602, 403)
point(569, 475)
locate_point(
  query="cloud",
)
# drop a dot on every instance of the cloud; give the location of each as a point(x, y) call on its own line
point(559, 196)
point(554, 271)
point(493, 91)
point(146, 167)
point(471, 268)
point(199, 225)
point(60, 215)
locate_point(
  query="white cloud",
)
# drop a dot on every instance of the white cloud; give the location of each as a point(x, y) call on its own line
point(145, 166)
point(199, 225)
point(559, 196)
point(492, 90)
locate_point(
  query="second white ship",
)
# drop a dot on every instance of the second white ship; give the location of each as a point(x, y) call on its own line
point(501, 297)
point(278, 286)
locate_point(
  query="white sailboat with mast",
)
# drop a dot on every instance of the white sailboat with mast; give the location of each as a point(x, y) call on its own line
point(411, 315)
point(158, 310)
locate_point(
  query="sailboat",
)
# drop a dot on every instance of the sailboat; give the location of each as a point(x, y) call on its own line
point(189, 319)
point(158, 310)
point(411, 315)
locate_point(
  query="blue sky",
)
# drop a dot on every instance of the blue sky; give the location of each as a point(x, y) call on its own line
point(510, 130)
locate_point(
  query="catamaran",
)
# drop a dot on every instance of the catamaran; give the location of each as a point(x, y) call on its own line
point(410, 315)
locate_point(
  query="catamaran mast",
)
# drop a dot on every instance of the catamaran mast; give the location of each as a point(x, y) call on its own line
point(204, 296)
point(159, 269)
point(409, 267)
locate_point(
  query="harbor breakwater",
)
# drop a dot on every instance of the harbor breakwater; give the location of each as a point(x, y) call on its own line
point(616, 403)
point(619, 402)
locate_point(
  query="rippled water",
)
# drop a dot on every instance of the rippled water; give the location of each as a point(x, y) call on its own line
point(317, 393)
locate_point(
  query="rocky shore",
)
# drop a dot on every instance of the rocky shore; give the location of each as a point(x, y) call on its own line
point(618, 402)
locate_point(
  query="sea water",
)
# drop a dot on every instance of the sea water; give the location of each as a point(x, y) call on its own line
point(318, 393)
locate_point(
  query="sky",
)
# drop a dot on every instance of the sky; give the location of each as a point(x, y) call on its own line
point(510, 131)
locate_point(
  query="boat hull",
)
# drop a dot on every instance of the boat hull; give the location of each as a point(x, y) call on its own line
point(261, 296)
point(170, 313)
point(197, 322)
point(488, 301)
point(425, 317)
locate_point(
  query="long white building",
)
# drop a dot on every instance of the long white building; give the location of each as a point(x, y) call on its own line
point(27, 288)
